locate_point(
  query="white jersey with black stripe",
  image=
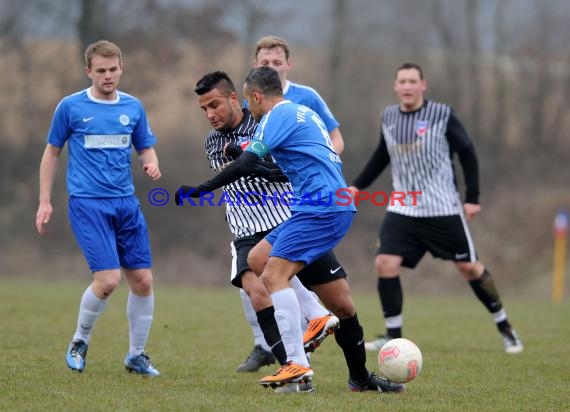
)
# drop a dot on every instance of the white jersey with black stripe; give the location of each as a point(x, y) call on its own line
point(421, 161)
point(254, 213)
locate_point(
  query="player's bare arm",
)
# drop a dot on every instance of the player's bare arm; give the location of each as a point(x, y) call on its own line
point(48, 168)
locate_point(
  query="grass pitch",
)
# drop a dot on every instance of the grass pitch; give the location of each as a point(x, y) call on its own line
point(199, 337)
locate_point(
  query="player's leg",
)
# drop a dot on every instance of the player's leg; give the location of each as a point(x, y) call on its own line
point(299, 240)
point(94, 236)
point(265, 315)
point(322, 323)
point(336, 296)
point(398, 247)
point(391, 296)
point(93, 302)
point(484, 288)
point(449, 238)
point(140, 313)
point(315, 319)
point(261, 354)
point(133, 246)
point(276, 277)
point(258, 308)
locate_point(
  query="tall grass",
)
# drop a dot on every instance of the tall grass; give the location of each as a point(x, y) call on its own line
point(199, 337)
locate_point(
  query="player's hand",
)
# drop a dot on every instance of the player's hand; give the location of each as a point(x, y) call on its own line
point(233, 150)
point(152, 170)
point(184, 192)
point(43, 216)
point(471, 209)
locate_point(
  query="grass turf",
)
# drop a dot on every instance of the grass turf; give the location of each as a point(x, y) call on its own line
point(200, 335)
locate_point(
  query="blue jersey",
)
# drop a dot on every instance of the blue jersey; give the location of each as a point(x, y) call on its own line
point(300, 144)
point(307, 96)
point(99, 135)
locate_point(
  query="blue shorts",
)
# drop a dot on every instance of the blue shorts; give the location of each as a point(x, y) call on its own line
point(111, 232)
point(308, 235)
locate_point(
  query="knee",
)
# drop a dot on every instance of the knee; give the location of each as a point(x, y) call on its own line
point(344, 310)
point(470, 270)
point(387, 266)
point(256, 262)
point(140, 281)
point(103, 286)
point(257, 292)
point(144, 286)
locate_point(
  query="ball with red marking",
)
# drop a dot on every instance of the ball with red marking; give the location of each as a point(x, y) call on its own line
point(400, 360)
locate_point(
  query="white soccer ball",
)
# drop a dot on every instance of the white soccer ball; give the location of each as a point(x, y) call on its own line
point(400, 360)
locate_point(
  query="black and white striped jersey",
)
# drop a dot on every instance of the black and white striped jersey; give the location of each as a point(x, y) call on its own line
point(247, 216)
point(420, 145)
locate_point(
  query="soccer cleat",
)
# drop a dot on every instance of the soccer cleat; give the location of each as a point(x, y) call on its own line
point(512, 342)
point(76, 354)
point(288, 373)
point(297, 387)
point(257, 358)
point(374, 383)
point(376, 345)
point(317, 330)
point(140, 364)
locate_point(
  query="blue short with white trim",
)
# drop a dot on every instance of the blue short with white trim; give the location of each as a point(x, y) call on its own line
point(111, 232)
point(308, 235)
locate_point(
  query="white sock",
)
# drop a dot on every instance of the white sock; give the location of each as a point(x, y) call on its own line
point(288, 319)
point(251, 316)
point(499, 316)
point(139, 312)
point(308, 301)
point(90, 308)
point(394, 321)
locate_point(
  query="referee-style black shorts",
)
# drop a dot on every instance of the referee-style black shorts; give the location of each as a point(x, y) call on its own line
point(445, 237)
point(323, 270)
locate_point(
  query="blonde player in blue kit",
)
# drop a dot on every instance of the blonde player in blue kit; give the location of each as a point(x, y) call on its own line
point(100, 124)
point(298, 141)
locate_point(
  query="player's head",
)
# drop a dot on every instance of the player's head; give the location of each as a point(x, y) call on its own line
point(104, 66)
point(262, 85)
point(219, 100)
point(410, 86)
point(273, 51)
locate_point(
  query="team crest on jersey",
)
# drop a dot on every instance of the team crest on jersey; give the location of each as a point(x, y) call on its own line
point(124, 119)
point(243, 142)
point(421, 127)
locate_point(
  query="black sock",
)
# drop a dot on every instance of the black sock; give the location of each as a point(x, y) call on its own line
point(485, 290)
point(268, 325)
point(505, 326)
point(392, 301)
point(350, 337)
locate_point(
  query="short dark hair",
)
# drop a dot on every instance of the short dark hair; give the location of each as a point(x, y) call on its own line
point(408, 66)
point(215, 80)
point(265, 79)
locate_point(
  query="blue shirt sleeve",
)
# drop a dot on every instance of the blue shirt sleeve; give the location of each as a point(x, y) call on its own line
point(143, 138)
point(319, 106)
point(59, 130)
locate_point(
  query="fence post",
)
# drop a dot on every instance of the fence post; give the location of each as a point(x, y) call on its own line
point(560, 237)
